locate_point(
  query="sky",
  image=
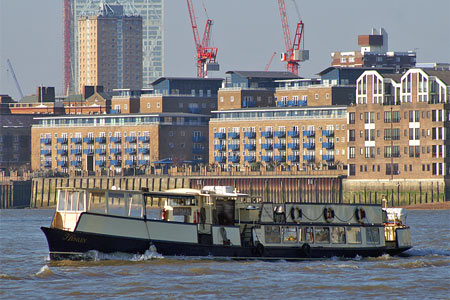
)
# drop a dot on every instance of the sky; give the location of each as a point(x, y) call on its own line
point(247, 32)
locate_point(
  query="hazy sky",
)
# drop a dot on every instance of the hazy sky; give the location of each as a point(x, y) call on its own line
point(246, 32)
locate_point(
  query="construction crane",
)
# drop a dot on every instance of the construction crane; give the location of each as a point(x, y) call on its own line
point(295, 51)
point(206, 55)
point(14, 77)
point(270, 61)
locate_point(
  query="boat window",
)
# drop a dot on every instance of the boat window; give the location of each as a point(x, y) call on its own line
point(354, 235)
point(116, 204)
point(290, 234)
point(372, 235)
point(136, 206)
point(267, 212)
point(71, 201)
point(322, 235)
point(62, 201)
point(307, 234)
point(338, 235)
point(272, 234)
point(97, 203)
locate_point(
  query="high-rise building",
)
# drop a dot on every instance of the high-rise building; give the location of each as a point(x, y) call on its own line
point(110, 50)
point(152, 13)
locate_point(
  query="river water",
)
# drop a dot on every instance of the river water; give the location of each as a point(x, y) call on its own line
point(26, 272)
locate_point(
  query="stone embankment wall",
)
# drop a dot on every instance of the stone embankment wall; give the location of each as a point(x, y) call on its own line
point(397, 192)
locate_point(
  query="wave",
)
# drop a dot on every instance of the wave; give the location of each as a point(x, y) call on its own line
point(149, 254)
point(427, 252)
point(44, 272)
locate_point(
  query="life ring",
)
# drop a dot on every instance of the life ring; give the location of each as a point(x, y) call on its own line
point(296, 214)
point(360, 215)
point(328, 214)
point(306, 248)
point(260, 249)
point(164, 215)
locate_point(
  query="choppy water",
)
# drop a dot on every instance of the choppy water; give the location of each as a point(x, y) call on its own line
point(26, 272)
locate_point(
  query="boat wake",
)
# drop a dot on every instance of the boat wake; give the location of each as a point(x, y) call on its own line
point(94, 255)
point(426, 252)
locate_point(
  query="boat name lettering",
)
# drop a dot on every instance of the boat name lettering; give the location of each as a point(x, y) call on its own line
point(73, 238)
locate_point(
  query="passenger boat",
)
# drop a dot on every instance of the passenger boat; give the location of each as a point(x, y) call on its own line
point(218, 221)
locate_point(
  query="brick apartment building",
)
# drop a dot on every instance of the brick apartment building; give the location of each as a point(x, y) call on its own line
point(399, 127)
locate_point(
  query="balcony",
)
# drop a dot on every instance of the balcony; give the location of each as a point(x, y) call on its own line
point(233, 135)
point(280, 134)
point(100, 139)
point(130, 139)
point(144, 150)
point(292, 103)
point(115, 139)
point(198, 150)
point(220, 159)
point(75, 163)
point(281, 104)
point(234, 158)
point(61, 140)
point(115, 162)
point(47, 164)
point(75, 151)
point(308, 133)
point(62, 163)
point(198, 139)
point(250, 134)
point(219, 135)
point(100, 151)
point(143, 162)
point(328, 145)
point(114, 111)
point(130, 150)
point(328, 157)
point(46, 141)
point(266, 158)
point(219, 147)
point(302, 103)
point(328, 133)
point(293, 158)
point(293, 146)
point(62, 151)
point(250, 158)
point(309, 145)
point(100, 163)
point(293, 133)
point(46, 152)
point(233, 147)
point(279, 158)
point(250, 146)
point(308, 158)
point(279, 146)
point(195, 110)
point(130, 162)
point(88, 151)
point(267, 146)
point(267, 134)
point(88, 140)
point(248, 103)
point(76, 140)
point(115, 151)
point(144, 139)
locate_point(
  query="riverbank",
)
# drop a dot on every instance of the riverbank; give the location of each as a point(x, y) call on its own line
point(435, 205)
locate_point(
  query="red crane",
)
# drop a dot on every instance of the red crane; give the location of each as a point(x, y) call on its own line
point(270, 61)
point(295, 52)
point(206, 56)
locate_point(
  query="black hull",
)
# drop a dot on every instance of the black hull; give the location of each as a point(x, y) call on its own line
point(72, 245)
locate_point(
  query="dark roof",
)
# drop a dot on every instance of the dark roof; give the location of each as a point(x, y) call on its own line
point(381, 70)
point(396, 77)
point(17, 120)
point(443, 75)
point(263, 74)
point(183, 78)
